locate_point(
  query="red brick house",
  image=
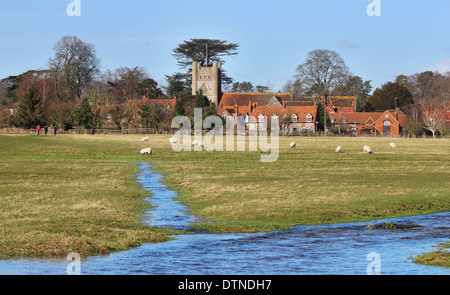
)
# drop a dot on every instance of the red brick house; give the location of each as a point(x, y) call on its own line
point(387, 123)
point(258, 110)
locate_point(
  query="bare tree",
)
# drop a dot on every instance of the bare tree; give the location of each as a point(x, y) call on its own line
point(73, 67)
point(323, 71)
point(433, 119)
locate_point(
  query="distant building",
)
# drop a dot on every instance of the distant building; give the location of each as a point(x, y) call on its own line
point(260, 110)
point(208, 80)
point(168, 104)
point(387, 123)
point(256, 108)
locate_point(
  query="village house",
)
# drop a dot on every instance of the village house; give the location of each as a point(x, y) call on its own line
point(343, 116)
point(387, 123)
point(260, 110)
point(256, 109)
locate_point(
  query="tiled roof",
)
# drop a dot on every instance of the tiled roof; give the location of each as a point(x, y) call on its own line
point(300, 111)
point(244, 99)
point(161, 101)
point(368, 118)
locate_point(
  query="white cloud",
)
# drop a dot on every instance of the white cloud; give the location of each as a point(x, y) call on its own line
point(441, 67)
point(346, 44)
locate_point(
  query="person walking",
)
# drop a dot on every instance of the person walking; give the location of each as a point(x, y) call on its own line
point(46, 130)
point(38, 129)
point(55, 129)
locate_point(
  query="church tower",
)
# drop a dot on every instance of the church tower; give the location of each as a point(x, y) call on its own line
point(208, 80)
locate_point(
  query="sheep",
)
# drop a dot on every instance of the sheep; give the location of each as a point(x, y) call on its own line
point(143, 139)
point(393, 145)
point(338, 149)
point(173, 140)
point(367, 149)
point(293, 145)
point(146, 151)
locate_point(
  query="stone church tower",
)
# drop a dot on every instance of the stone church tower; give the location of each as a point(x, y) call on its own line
point(208, 80)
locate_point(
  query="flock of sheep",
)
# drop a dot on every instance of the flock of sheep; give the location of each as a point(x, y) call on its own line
point(148, 151)
point(366, 148)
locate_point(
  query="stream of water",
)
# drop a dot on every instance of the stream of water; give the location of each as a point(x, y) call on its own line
point(337, 249)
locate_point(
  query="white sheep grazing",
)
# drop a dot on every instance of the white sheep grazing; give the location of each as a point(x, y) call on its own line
point(143, 139)
point(293, 145)
point(367, 149)
point(393, 145)
point(173, 140)
point(338, 149)
point(146, 151)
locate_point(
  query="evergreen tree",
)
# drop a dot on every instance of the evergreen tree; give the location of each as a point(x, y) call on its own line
point(30, 112)
point(320, 116)
point(83, 115)
point(179, 109)
point(200, 101)
point(389, 96)
point(151, 116)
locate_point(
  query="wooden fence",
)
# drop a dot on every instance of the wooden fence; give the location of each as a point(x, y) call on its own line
point(15, 130)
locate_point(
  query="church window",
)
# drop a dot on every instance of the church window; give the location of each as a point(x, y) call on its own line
point(205, 89)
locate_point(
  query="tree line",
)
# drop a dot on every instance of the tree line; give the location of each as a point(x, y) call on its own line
point(73, 92)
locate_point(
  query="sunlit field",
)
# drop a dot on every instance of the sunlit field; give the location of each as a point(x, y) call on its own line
point(75, 193)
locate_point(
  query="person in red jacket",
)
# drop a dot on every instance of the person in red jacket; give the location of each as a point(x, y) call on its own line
point(38, 129)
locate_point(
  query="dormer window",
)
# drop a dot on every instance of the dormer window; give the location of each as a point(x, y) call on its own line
point(261, 118)
point(246, 118)
point(309, 118)
point(275, 117)
point(294, 118)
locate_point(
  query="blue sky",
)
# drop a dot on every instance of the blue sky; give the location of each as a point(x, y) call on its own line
point(274, 36)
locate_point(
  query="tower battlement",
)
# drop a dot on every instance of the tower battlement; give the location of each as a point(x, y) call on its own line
point(208, 80)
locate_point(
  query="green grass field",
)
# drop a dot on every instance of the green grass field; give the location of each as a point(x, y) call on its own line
point(75, 193)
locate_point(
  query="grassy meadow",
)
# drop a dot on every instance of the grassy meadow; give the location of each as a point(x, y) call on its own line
point(75, 193)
